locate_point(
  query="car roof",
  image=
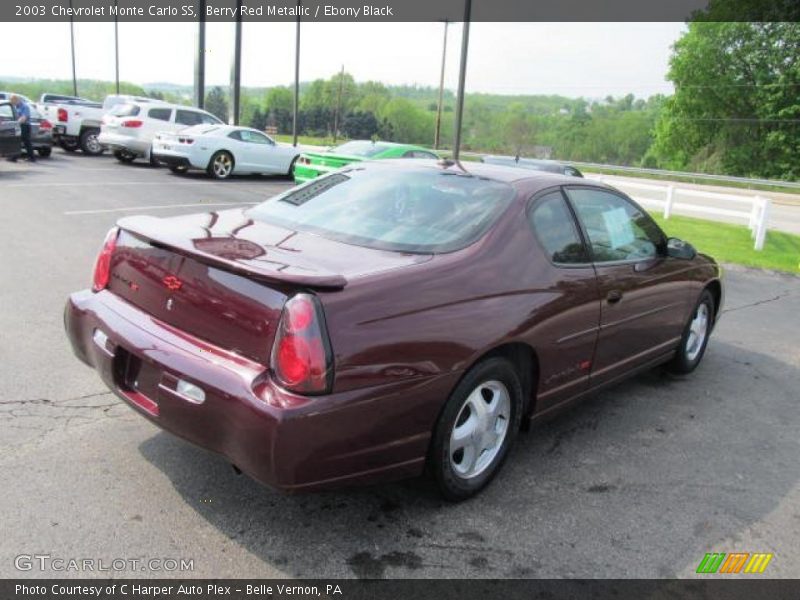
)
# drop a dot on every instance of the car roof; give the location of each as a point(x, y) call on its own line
point(529, 180)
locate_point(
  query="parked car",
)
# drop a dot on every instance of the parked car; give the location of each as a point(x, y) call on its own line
point(551, 166)
point(129, 129)
point(76, 122)
point(41, 134)
point(10, 131)
point(313, 164)
point(223, 150)
point(7, 96)
point(387, 317)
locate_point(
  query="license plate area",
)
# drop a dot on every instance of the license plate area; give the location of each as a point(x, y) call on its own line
point(137, 379)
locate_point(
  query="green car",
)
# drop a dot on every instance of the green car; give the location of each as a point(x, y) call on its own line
point(313, 164)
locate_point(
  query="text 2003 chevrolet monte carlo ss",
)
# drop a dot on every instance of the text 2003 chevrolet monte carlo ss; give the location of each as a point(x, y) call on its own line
point(388, 317)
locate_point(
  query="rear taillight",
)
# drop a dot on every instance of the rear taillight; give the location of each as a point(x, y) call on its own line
point(63, 117)
point(304, 160)
point(302, 360)
point(183, 140)
point(45, 124)
point(134, 123)
point(102, 266)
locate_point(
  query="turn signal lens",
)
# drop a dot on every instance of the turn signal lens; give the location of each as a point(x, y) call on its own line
point(102, 266)
point(302, 360)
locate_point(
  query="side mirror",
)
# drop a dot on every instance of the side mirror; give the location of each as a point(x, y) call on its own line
point(679, 249)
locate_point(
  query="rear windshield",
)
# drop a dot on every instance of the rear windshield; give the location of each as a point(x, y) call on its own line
point(420, 211)
point(364, 149)
point(124, 110)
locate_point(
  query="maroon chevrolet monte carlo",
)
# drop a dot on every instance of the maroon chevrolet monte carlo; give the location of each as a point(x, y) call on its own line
point(389, 317)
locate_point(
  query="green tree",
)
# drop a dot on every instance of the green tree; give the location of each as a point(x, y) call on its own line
point(217, 103)
point(736, 107)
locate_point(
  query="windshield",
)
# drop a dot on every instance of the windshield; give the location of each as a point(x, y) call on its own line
point(426, 211)
point(364, 149)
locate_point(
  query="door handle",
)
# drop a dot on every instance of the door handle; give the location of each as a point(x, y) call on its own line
point(614, 296)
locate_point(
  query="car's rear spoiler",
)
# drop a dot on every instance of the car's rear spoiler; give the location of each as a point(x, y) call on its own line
point(269, 264)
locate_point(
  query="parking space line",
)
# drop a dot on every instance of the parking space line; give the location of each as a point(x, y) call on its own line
point(150, 207)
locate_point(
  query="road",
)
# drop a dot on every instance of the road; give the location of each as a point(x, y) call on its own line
point(640, 481)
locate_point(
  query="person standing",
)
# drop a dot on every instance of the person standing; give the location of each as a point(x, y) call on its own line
point(24, 120)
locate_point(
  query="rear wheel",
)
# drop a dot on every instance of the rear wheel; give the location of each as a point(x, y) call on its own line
point(476, 429)
point(695, 336)
point(124, 156)
point(45, 152)
point(221, 165)
point(89, 143)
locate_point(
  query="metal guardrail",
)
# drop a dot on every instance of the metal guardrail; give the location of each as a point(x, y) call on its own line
point(789, 185)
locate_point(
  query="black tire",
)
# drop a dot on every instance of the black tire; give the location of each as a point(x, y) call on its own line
point(70, 145)
point(89, 144)
point(290, 173)
point(482, 380)
point(45, 152)
point(179, 169)
point(123, 156)
point(689, 353)
point(219, 173)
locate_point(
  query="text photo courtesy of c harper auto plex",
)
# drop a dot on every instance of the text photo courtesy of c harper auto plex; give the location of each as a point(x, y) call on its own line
point(455, 299)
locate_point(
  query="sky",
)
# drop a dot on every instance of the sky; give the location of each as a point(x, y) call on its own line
point(572, 59)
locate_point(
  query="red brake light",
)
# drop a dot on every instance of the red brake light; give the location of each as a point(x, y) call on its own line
point(132, 123)
point(63, 116)
point(301, 355)
point(102, 266)
point(45, 124)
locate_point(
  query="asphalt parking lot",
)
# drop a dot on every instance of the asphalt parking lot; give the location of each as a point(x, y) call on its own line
point(640, 481)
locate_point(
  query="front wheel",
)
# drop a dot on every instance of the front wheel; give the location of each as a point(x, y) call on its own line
point(476, 429)
point(221, 165)
point(695, 336)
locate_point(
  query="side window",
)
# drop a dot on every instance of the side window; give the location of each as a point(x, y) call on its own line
point(188, 117)
point(254, 138)
point(6, 112)
point(418, 154)
point(162, 114)
point(209, 119)
point(236, 135)
point(555, 228)
point(617, 229)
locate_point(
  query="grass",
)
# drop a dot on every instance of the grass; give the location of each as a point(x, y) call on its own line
point(732, 243)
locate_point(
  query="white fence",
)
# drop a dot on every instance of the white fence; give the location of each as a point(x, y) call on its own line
point(756, 215)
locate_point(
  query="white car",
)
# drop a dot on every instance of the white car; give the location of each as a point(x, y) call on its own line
point(128, 129)
point(222, 150)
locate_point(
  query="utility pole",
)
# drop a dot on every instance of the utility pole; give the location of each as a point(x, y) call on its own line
point(441, 92)
point(236, 67)
point(462, 76)
point(296, 74)
point(116, 48)
point(200, 57)
point(72, 45)
point(338, 105)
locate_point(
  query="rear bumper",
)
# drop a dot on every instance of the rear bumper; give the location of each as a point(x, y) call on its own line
point(171, 160)
point(115, 141)
point(289, 442)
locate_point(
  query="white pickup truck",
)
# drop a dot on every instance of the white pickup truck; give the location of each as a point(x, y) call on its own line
point(76, 122)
